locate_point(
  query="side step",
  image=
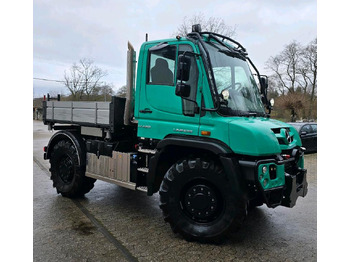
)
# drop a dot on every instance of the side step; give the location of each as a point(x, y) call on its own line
point(143, 169)
point(142, 188)
point(129, 185)
point(147, 151)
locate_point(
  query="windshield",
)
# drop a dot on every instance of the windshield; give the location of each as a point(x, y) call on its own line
point(234, 82)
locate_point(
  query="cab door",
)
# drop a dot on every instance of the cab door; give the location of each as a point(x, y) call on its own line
point(161, 112)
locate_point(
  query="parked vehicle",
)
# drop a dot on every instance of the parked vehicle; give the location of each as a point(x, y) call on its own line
point(308, 135)
point(194, 126)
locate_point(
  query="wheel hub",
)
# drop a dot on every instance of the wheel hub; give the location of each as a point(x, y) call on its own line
point(201, 202)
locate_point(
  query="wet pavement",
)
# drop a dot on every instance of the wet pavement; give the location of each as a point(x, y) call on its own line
point(112, 223)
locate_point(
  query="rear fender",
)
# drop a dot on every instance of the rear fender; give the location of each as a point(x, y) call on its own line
point(76, 140)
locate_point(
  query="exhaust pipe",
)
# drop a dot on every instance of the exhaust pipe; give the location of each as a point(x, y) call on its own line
point(130, 85)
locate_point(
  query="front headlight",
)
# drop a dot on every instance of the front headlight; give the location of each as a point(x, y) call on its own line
point(264, 169)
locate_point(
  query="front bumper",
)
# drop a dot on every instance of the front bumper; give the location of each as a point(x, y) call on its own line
point(284, 187)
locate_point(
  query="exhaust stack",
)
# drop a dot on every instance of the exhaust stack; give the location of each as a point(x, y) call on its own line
point(130, 85)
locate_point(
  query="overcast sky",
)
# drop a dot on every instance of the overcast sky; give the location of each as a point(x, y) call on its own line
point(68, 30)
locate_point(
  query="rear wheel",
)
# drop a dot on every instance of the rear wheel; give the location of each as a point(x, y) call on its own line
point(67, 174)
point(198, 201)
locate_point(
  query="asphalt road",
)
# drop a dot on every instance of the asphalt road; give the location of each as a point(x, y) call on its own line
point(112, 223)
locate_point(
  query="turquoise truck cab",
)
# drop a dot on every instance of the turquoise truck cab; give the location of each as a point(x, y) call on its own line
point(160, 112)
point(223, 105)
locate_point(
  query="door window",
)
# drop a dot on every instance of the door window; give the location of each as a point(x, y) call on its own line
point(161, 66)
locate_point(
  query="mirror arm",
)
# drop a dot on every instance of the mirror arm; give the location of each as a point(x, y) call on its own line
point(215, 109)
point(269, 108)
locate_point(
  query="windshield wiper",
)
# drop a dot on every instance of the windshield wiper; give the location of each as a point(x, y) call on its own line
point(248, 114)
point(233, 54)
point(232, 112)
point(252, 114)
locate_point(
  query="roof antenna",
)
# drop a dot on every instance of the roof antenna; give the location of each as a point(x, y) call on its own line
point(146, 37)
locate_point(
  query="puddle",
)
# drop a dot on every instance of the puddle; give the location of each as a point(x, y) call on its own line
point(83, 228)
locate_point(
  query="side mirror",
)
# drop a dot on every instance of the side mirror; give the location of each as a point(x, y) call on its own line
point(183, 90)
point(264, 85)
point(183, 68)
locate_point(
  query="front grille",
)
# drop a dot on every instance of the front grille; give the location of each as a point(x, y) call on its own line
point(276, 130)
point(284, 138)
point(281, 141)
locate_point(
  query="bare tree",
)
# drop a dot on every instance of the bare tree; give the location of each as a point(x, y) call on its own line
point(72, 80)
point(212, 24)
point(106, 90)
point(309, 71)
point(83, 78)
point(103, 92)
point(295, 71)
point(91, 75)
point(121, 91)
point(294, 103)
point(285, 67)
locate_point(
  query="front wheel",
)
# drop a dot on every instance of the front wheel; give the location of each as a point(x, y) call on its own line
point(67, 174)
point(198, 201)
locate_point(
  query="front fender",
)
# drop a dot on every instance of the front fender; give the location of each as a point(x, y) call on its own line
point(183, 146)
point(210, 144)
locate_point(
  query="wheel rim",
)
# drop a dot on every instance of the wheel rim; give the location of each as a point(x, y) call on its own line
point(66, 169)
point(202, 203)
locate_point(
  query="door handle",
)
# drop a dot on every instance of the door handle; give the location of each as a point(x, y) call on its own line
point(145, 111)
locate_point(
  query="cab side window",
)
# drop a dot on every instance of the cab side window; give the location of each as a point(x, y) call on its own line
point(161, 66)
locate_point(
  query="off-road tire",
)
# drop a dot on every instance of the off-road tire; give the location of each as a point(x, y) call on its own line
point(186, 195)
point(67, 174)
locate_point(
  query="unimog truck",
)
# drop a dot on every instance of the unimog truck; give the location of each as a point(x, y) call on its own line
point(194, 126)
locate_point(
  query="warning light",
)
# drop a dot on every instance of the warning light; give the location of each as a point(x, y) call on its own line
point(205, 133)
